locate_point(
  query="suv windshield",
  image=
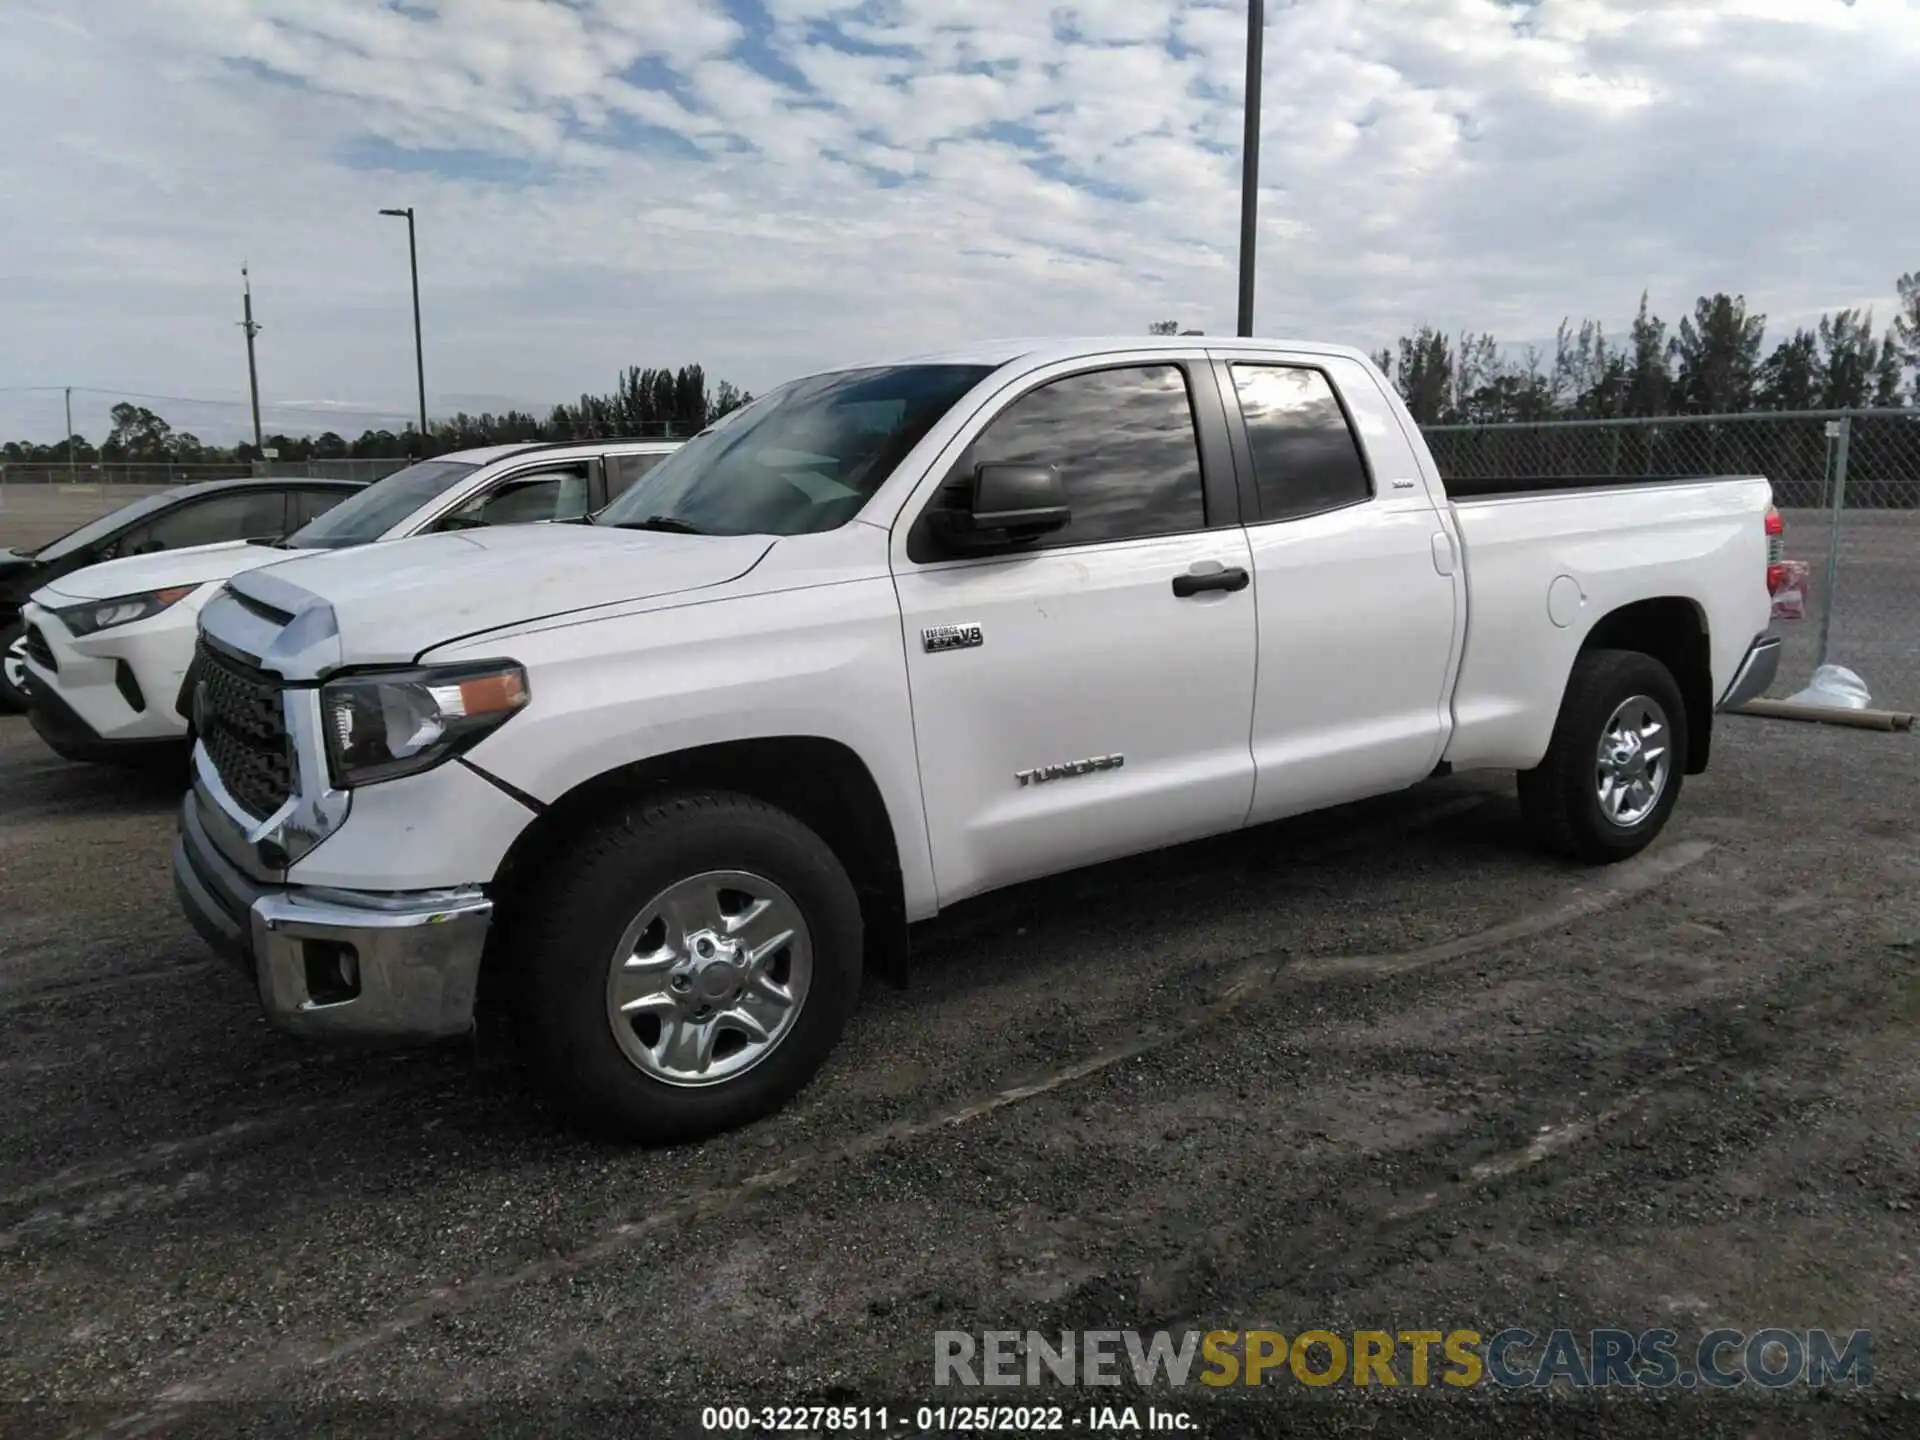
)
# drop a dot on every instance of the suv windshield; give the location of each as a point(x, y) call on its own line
point(368, 514)
point(800, 459)
point(104, 526)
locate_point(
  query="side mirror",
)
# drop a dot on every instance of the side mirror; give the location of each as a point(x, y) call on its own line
point(1004, 505)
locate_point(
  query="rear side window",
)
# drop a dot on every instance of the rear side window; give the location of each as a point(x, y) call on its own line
point(1305, 456)
point(1123, 442)
point(235, 515)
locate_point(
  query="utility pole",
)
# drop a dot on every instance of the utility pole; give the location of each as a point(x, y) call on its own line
point(1250, 162)
point(253, 373)
point(72, 475)
point(419, 353)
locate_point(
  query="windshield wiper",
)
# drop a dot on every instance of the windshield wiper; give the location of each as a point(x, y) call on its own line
point(664, 523)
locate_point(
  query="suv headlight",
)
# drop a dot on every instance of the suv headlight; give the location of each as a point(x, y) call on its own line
point(388, 723)
point(105, 614)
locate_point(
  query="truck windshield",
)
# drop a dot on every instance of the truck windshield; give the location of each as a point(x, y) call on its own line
point(801, 459)
point(368, 514)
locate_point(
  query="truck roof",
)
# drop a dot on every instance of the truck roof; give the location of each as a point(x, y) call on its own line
point(1044, 349)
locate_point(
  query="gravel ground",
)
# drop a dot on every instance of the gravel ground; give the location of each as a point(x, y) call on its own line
point(1384, 1068)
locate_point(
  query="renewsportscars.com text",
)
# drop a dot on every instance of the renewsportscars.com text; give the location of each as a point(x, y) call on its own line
point(1772, 1358)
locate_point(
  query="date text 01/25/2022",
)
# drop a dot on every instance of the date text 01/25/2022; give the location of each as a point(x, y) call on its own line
point(940, 1419)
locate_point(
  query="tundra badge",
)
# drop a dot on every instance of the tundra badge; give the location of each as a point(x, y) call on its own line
point(951, 637)
point(1043, 773)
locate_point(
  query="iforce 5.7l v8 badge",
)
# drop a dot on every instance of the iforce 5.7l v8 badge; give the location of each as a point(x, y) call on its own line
point(951, 637)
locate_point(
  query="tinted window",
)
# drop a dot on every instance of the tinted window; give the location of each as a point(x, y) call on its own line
point(556, 495)
point(801, 459)
point(368, 514)
point(1305, 458)
point(310, 505)
point(1124, 445)
point(623, 470)
point(242, 515)
point(105, 525)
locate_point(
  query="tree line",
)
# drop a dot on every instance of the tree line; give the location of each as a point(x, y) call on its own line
point(649, 402)
point(1714, 362)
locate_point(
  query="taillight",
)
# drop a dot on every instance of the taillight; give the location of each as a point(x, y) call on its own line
point(1776, 547)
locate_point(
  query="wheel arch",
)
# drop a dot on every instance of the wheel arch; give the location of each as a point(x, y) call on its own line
point(822, 783)
point(1673, 629)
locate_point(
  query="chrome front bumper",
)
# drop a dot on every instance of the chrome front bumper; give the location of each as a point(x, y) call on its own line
point(1755, 674)
point(336, 963)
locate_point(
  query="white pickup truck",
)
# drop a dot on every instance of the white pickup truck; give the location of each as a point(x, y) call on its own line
point(893, 636)
point(107, 647)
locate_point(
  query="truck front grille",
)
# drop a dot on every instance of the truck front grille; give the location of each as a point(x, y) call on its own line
point(243, 724)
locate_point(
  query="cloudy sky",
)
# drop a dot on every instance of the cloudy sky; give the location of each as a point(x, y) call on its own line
point(774, 186)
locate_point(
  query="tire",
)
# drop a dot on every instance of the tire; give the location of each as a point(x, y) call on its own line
point(1561, 798)
point(592, 903)
point(13, 635)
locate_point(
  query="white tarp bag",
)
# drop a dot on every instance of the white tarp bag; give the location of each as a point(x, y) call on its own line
point(1834, 685)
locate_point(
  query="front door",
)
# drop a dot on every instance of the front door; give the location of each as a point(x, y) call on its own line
point(1071, 701)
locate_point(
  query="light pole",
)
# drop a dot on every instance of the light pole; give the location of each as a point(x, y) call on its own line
point(419, 353)
point(253, 373)
point(1250, 163)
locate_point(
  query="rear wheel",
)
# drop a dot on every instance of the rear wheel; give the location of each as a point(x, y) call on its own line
point(687, 967)
point(1611, 775)
point(13, 666)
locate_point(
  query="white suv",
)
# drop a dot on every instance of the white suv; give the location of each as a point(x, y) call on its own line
point(109, 646)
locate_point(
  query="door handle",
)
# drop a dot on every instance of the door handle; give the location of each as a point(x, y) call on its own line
point(1232, 579)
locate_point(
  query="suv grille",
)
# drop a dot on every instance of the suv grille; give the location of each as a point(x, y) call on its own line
point(244, 727)
point(38, 651)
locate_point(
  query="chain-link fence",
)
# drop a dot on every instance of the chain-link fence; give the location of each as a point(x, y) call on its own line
point(368, 470)
point(1847, 483)
point(159, 475)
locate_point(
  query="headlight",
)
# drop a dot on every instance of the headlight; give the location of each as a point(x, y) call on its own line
point(105, 614)
point(390, 723)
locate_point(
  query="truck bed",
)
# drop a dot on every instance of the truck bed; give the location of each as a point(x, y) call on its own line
point(1481, 487)
point(1581, 549)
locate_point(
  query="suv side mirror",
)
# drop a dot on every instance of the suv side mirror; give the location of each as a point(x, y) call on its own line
point(1004, 505)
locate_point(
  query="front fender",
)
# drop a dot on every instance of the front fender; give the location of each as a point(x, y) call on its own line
point(823, 662)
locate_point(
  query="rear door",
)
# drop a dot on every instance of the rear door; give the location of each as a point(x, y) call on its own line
point(1070, 702)
point(1357, 603)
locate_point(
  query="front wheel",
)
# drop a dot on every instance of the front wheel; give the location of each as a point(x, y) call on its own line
point(13, 667)
point(1611, 775)
point(687, 967)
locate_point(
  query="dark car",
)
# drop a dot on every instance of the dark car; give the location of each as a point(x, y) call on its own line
point(204, 514)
